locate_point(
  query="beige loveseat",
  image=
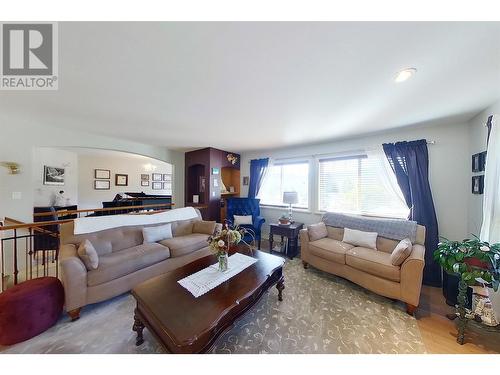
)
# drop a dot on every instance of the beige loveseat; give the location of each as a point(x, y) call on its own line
point(124, 261)
point(372, 269)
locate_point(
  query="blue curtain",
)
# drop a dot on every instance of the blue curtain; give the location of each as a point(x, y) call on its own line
point(410, 163)
point(257, 170)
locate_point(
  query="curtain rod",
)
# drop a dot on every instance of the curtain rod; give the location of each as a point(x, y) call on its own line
point(352, 152)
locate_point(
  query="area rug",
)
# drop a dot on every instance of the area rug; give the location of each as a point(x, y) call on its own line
point(320, 313)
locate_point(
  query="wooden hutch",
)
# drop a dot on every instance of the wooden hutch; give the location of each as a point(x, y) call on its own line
point(213, 175)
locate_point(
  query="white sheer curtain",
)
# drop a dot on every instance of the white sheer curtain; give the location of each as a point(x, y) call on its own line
point(387, 176)
point(490, 228)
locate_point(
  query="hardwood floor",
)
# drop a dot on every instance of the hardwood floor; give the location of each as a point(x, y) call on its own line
point(439, 333)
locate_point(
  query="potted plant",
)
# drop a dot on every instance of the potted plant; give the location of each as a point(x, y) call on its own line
point(473, 261)
point(284, 219)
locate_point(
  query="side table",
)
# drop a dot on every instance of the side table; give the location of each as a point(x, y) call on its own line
point(290, 231)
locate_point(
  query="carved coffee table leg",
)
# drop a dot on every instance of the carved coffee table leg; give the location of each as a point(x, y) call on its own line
point(280, 286)
point(138, 327)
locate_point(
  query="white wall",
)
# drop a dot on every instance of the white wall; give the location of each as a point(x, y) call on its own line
point(131, 165)
point(448, 170)
point(478, 134)
point(52, 157)
point(21, 135)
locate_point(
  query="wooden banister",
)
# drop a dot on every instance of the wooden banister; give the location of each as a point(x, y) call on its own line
point(72, 212)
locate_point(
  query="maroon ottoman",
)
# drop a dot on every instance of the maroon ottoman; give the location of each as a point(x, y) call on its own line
point(29, 308)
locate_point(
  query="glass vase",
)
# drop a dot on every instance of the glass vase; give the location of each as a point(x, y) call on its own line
point(223, 262)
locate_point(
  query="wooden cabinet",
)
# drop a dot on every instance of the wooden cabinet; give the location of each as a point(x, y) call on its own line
point(212, 175)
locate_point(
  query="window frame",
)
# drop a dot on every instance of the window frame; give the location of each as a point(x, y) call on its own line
point(359, 155)
point(281, 162)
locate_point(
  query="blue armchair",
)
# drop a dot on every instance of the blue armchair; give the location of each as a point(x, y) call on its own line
point(246, 206)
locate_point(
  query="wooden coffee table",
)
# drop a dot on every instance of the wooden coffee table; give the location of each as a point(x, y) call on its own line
point(185, 324)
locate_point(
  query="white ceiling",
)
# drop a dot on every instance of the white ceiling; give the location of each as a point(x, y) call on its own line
point(244, 86)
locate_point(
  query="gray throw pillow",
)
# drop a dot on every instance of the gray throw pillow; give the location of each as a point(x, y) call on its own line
point(157, 233)
point(401, 252)
point(317, 231)
point(88, 255)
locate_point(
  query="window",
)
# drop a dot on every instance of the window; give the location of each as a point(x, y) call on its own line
point(285, 177)
point(356, 185)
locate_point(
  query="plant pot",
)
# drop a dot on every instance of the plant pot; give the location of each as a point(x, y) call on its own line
point(284, 222)
point(474, 262)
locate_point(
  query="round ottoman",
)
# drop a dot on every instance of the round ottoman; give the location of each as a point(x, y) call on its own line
point(29, 308)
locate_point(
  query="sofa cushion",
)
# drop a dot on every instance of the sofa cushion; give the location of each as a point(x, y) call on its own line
point(182, 228)
point(204, 227)
point(329, 249)
point(88, 255)
point(401, 252)
point(185, 244)
point(376, 263)
point(360, 238)
point(157, 233)
point(120, 263)
point(317, 231)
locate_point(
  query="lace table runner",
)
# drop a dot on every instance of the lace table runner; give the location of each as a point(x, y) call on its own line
point(208, 278)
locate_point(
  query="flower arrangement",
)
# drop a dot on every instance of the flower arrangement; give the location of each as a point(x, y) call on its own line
point(223, 241)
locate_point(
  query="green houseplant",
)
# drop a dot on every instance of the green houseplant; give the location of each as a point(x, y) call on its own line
point(471, 260)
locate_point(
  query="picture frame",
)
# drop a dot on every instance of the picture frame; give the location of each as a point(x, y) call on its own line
point(121, 179)
point(102, 174)
point(144, 183)
point(478, 184)
point(156, 176)
point(215, 170)
point(167, 185)
point(232, 189)
point(246, 180)
point(53, 176)
point(479, 161)
point(102, 184)
point(157, 185)
point(144, 177)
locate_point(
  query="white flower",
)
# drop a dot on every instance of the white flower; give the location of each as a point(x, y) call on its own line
point(497, 256)
point(484, 248)
point(221, 243)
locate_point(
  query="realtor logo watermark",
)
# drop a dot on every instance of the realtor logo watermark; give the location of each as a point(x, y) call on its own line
point(29, 56)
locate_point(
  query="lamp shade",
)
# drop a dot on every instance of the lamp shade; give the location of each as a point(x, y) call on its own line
point(290, 197)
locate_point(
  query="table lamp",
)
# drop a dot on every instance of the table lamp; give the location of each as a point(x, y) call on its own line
point(290, 197)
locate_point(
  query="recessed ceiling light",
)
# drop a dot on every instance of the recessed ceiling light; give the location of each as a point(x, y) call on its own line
point(405, 74)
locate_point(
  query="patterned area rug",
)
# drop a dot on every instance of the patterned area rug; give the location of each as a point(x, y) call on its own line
point(320, 313)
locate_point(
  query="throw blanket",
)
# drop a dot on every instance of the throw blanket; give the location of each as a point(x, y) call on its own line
point(395, 229)
point(95, 224)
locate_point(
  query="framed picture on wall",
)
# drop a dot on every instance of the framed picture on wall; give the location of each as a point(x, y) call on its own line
point(144, 177)
point(102, 174)
point(144, 183)
point(121, 179)
point(53, 175)
point(167, 186)
point(157, 176)
point(478, 161)
point(245, 180)
point(102, 185)
point(478, 184)
point(157, 185)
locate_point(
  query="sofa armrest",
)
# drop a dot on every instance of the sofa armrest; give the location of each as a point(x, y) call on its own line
point(304, 244)
point(412, 271)
point(257, 224)
point(74, 277)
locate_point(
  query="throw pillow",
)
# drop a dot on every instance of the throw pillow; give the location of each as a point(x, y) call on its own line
point(243, 219)
point(401, 252)
point(88, 255)
point(360, 238)
point(157, 233)
point(204, 227)
point(317, 231)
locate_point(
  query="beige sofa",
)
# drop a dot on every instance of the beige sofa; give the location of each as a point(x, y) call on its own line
point(372, 269)
point(124, 261)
